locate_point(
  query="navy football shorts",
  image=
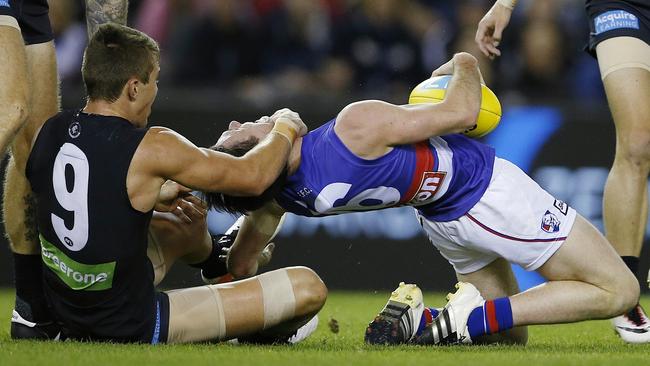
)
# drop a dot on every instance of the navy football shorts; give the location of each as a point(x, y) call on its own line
point(32, 17)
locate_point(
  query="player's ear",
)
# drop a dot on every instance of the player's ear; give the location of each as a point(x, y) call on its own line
point(132, 88)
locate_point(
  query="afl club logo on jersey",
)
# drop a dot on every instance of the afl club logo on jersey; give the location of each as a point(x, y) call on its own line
point(550, 222)
point(429, 186)
point(74, 130)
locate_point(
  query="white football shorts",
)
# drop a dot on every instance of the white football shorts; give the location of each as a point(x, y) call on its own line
point(515, 219)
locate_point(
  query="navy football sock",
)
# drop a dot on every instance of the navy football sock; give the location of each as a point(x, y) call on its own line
point(30, 299)
point(492, 317)
point(631, 262)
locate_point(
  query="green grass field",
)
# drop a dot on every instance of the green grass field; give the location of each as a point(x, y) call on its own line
point(590, 343)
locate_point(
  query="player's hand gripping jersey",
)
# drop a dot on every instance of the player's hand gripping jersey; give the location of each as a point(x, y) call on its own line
point(443, 176)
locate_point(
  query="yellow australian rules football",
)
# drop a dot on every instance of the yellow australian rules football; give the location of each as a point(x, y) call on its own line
point(433, 91)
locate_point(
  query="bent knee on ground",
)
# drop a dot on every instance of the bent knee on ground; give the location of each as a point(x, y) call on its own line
point(309, 290)
point(625, 293)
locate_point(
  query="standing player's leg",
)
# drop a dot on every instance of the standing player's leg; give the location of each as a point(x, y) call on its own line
point(14, 94)
point(18, 201)
point(625, 69)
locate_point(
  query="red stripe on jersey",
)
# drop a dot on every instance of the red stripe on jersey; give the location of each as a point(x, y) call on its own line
point(424, 162)
point(491, 316)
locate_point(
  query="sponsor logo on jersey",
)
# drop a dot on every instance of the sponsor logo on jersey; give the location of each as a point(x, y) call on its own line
point(562, 206)
point(615, 19)
point(74, 130)
point(550, 222)
point(5, 3)
point(429, 186)
point(77, 276)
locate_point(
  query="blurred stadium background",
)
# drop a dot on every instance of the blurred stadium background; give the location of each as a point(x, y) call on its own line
point(226, 60)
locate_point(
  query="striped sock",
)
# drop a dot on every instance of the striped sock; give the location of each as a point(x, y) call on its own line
point(492, 317)
point(427, 318)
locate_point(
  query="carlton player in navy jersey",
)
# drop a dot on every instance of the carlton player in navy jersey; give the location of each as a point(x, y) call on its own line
point(620, 39)
point(29, 96)
point(481, 212)
point(99, 173)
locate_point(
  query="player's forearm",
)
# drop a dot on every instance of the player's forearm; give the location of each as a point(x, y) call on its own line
point(264, 163)
point(99, 12)
point(250, 250)
point(463, 98)
point(243, 257)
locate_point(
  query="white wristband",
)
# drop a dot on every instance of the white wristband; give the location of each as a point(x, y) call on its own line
point(510, 4)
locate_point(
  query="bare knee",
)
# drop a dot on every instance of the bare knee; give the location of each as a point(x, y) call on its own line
point(621, 294)
point(634, 149)
point(625, 295)
point(309, 290)
point(15, 112)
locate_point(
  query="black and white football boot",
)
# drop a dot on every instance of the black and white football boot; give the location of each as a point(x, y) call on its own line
point(633, 326)
point(450, 326)
point(400, 318)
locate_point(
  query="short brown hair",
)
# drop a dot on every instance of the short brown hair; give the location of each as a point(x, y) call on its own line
point(115, 54)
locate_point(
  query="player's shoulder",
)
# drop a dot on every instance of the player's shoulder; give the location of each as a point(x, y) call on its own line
point(161, 136)
point(164, 144)
point(358, 112)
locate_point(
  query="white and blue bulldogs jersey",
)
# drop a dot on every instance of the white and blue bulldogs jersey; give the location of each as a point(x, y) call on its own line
point(442, 177)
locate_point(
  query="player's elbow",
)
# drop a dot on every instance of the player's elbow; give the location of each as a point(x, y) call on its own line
point(240, 272)
point(242, 269)
point(467, 117)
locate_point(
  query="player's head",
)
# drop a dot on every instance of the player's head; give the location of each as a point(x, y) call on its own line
point(121, 63)
point(239, 132)
point(237, 141)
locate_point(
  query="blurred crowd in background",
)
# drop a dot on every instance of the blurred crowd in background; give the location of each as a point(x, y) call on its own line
point(360, 48)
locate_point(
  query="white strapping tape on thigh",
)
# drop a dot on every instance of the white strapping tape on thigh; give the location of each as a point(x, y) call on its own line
point(622, 52)
point(221, 326)
point(9, 21)
point(279, 299)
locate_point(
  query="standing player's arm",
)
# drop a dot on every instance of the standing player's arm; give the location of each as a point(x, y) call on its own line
point(257, 230)
point(490, 28)
point(377, 123)
point(99, 12)
point(173, 157)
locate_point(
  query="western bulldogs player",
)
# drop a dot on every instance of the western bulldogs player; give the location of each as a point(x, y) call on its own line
point(98, 174)
point(479, 211)
point(620, 40)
